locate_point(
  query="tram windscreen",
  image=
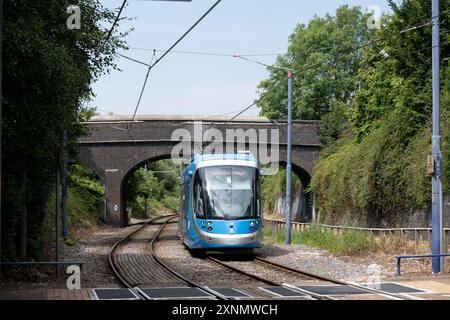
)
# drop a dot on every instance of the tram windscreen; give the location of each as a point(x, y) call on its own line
point(231, 192)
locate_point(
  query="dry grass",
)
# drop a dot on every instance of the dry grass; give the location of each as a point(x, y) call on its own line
point(361, 247)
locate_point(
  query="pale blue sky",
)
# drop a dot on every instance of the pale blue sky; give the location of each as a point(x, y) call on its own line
point(190, 84)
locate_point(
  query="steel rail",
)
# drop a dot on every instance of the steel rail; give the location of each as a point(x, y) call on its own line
point(111, 253)
point(122, 279)
point(176, 274)
point(323, 278)
point(269, 282)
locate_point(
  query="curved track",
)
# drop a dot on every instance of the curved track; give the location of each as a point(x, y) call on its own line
point(135, 270)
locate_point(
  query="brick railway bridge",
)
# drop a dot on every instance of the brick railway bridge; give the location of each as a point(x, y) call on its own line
point(115, 147)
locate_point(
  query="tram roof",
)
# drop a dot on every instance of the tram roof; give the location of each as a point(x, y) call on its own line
point(197, 158)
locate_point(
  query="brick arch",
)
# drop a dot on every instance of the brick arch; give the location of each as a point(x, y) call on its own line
point(305, 179)
point(114, 149)
point(124, 221)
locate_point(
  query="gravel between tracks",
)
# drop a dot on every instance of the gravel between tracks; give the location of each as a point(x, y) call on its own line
point(172, 252)
point(204, 272)
point(95, 246)
point(317, 261)
point(93, 250)
point(96, 242)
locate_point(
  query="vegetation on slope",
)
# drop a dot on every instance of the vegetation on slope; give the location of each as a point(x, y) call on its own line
point(377, 176)
point(48, 71)
point(375, 110)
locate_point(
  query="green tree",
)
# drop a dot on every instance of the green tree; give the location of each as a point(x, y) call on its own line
point(325, 68)
point(159, 184)
point(48, 71)
point(379, 174)
point(399, 80)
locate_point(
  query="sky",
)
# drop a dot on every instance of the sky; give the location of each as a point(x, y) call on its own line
point(184, 84)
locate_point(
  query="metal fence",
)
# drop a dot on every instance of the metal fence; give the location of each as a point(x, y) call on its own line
point(412, 234)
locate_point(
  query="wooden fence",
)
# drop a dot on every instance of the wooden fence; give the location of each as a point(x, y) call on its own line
point(413, 234)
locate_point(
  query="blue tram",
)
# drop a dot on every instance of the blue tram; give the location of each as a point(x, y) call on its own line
point(221, 203)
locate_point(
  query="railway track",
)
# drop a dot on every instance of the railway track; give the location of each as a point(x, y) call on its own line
point(334, 281)
point(134, 271)
point(303, 274)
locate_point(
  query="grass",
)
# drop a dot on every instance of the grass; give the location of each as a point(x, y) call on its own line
point(349, 242)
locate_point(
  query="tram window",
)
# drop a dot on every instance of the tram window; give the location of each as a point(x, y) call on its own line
point(198, 198)
point(183, 200)
point(230, 192)
point(257, 196)
point(186, 197)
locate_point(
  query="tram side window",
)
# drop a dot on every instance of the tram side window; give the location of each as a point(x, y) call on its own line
point(258, 196)
point(182, 200)
point(198, 198)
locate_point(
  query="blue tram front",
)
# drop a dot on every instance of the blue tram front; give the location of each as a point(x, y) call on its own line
point(221, 203)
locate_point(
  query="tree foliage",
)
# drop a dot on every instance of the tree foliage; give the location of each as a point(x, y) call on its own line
point(325, 68)
point(402, 81)
point(159, 184)
point(379, 176)
point(48, 71)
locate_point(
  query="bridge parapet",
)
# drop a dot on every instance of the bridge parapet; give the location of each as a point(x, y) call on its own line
point(115, 129)
point(115, 146)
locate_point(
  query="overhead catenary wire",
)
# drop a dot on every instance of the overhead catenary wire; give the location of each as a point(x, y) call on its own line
point(140, 95)
point(152, 64)
point(359, 47)
point(171, 48)
point(144, 85)
point(254, 104)
point(113, 26)
point(221, 54)
point(134, 60)
point(245, 57)
point(350, 50)
point(261, 63)
point(245, 109)
point(202, 53)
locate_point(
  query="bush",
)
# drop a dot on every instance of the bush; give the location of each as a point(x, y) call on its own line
point(159, 184)
point(376, 181)
point(348, 242)
point(273, 187)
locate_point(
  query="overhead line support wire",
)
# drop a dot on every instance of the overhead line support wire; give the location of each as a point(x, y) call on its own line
point(114, 24)
point(170, 49)
point(144, 85)
point(359, 47)
point(186, 33)
point(134, 60)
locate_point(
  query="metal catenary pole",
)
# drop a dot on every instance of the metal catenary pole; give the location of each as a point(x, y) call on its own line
point(436, 142)
point(288, 161)
point(1, 101)
point(64, 185)
point(57, 206)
